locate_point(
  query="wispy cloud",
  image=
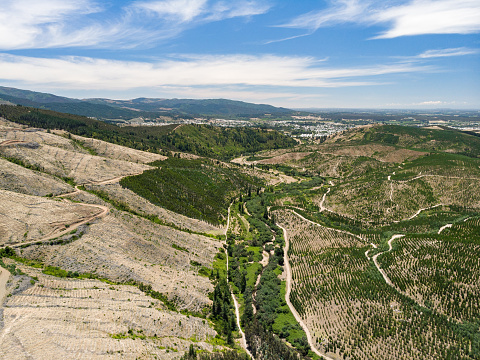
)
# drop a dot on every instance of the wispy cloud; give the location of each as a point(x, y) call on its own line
point(205, 70)
point(26, 24)
point(201, 10)
point(430, 103)
point(341, 11)
point(415, 17)
point(183, 10)
point(29, 23)
point(448, 52)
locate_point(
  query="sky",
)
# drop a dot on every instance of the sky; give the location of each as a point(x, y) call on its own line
point(402, 54)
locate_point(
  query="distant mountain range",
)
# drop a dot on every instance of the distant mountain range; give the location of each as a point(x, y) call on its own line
point(146, 107)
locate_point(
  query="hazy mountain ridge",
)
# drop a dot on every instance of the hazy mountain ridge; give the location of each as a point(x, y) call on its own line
point(128, 109)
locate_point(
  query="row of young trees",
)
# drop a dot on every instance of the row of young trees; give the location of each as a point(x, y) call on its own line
point(354, 313)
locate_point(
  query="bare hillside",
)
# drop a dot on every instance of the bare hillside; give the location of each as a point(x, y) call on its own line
point(66, 319)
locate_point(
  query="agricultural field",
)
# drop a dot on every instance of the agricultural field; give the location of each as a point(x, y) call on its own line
point(351, 312)
point(440, 272)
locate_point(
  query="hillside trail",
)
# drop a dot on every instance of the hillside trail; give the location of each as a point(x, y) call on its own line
point(320, 205)
point(423, 209)
point(337, 230)
point(436, 175)
point(70, 227)
point(243, 341)
point(444, 227)
point(101, 182)
point(12, 142)
point(385, 276)
point(287, 298)
point(374, 258)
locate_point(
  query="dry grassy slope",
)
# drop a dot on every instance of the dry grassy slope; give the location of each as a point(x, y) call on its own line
point(117, 152)
point(123, 247)
point(119, 246)
point(38, 136)
point(26, 218)
point(60, 156)
point(16, 178)
point(83, 168)
point(74, 319)
point(378, 152)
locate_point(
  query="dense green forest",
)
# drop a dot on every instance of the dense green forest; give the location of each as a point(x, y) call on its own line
point(204, 140)
point(199, 188)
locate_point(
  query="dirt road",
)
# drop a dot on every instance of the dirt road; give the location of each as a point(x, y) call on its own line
point(12, 142)
point(337, 230)
point(419, 211)
point(385, 277)
point(444, 227)
point(320, 205)
point(287, 297)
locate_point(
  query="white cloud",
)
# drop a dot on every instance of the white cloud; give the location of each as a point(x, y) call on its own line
point(448, 52)
point(431, 17)
point(415, 17)
point(229, 70)
point(341, 11)
point(26, 24)
point(202, 10)
point(185, 10)
point(430, 103)
point(31, 23)
point(231, 9)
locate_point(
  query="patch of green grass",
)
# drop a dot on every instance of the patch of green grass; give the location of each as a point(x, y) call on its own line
point(285, 324)
point(177, 247)
point(252, 273)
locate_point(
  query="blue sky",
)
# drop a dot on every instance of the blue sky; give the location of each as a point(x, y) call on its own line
point(302, 53)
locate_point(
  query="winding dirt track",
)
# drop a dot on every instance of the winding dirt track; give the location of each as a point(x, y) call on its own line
point(444, 227)
point(4, 275)
point(320, 205)
point(385, 277)
point(337, 230)
point(287, 298)
point(419, 211)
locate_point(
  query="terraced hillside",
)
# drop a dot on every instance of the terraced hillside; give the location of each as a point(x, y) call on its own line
point(151, 256)
point(70, 318)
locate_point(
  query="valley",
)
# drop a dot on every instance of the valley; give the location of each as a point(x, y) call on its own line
point(360, 245)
